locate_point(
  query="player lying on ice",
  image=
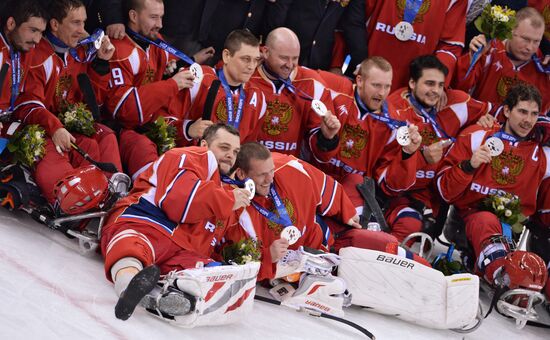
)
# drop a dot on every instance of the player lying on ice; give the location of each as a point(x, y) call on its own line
point(507, 161)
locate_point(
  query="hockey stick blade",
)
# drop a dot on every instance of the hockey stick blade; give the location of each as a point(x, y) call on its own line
point(107, 167)
point(321, 315)
point(89, 96)
point(366, 189)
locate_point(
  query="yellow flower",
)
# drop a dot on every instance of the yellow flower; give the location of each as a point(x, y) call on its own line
point(500, 207)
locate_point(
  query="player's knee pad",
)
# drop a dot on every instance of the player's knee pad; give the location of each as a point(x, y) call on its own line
point(394, 285)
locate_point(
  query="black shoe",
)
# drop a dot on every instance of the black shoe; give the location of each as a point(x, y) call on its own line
point(139, 286)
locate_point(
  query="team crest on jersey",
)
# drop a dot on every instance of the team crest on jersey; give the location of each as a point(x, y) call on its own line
point(62, 88)
point(277, 117)
point(504, 85)
point(353, 141)
point(149, 76)
point(506, 167)
point(424, 8)
point(221, 111)
point(428, 136)
point(277, 228)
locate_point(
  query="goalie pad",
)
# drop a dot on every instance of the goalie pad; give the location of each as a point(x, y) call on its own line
point(322, 294)
point(394, 285)
point(224, 294)
point(306, 260)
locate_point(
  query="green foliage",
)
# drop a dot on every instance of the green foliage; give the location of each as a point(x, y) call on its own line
point(162, 134)
point(77, 118)
point(242, 252)
point(496, 22)
point(28, 144)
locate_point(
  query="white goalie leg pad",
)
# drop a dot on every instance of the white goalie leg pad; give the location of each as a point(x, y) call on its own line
point(394, 285)
point(225, 294)
point(324, 294)
point(301, 260)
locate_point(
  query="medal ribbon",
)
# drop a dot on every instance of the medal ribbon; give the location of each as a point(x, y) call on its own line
point(283, 218)
point(288, 84)
point(163, 45)
point(540, 67)
point(229, 180)
point(504, 136)
point(234, 121)
point(15, 77)
point(430, 117)
point(384, 118)
point(88, 42)
point(412, 7)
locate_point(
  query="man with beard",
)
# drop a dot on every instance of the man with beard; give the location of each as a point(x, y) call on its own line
point(438, 129)
point(174, 217)
point(289, 90)
point(504, 159)
point(138, 94)
point(505, 63)
point(22, 25)
point(51, 88)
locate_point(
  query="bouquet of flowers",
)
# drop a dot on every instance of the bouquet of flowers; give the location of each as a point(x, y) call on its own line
point(77, 118)
point(507, 208)
point(162, 134)
point(494, 22)
point(28, 144)
point(444, 263)
point(242, 252)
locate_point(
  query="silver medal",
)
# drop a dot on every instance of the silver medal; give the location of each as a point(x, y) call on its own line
point(319, 107)
point(97, 42)
point(250, 186)
point(404, 31)
point(495, 145)
point(403, 137)
point(196, 70)
point(291, 233)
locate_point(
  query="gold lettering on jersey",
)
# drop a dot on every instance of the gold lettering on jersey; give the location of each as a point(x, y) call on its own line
point(504, 85)
point(424, 8)
point(353, 141)
point(428, 136)
point(506, 167)
point(149, 76)
point(277, 117)
point(277, 228)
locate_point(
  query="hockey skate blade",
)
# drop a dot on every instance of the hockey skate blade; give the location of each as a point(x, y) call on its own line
point(139, 286)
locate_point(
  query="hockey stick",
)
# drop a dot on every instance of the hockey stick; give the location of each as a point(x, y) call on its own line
point(321, 315)
point(367, 190)
point(89, 96)
point(107, 167)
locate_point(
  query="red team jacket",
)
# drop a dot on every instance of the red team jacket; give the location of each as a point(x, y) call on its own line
point(439, 28)
point(289, 117)
point(181, 195)
point(519, 170)
point(304, 191)
point(494, 74)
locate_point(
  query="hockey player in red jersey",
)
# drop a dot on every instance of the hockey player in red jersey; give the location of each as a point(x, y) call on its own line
point(138, 95)
point(503, 159)
point(289, 90)
point(51, 86)
point(233, 99)
point(417, 104)
point(400, 30)
point(174, 217)
point(506, 63)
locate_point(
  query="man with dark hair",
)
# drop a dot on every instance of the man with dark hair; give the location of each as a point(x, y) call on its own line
point(51, 88)
point(175, 217)
point(503, 64)
point(411, 207)
point(138, 95)
point(503, 160)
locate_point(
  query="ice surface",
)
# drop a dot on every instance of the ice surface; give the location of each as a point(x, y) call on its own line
point(50, 291)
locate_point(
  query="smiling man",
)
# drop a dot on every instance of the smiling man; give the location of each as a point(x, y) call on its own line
point(472, 171)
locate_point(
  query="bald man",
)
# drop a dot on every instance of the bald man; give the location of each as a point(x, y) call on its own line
point(289, 90)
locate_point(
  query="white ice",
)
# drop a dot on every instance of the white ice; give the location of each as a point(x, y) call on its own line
point(48, 290)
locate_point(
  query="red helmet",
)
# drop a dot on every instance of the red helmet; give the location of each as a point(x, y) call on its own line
point(525, 270)
point(81, 189)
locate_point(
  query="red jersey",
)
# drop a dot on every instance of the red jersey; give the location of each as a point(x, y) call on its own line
point(180, 195)
point(51, 84)
point(461, 111)
point(439, 27)
point(289, 117)
point(137, 91)
point(192, 101)
point(494, 74)
point(305, 192)
point(518, 170)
